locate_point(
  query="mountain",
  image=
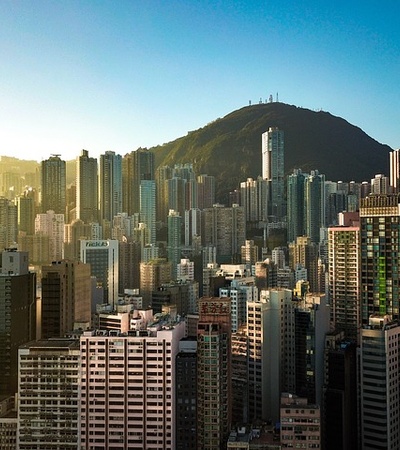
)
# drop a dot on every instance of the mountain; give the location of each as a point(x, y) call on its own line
point(230, 147)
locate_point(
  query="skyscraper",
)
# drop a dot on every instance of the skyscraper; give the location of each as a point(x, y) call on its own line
point(394, 159)
point(380, 241)
point(379, 384)
point(295, 205)
point(273, 168)
point(66, 297)
point(8, 223)
point(129, 401)
point(53, 185)
point(174, 240)
point(148, 209)
point(52, 225)
point(110, 185)
point(344, 279)
point(314, 205)
point(102, 255)
point(87, 196)
point(136, 166)
point(48, 395)
point(17, 314)
point(225, 228)
point(214, 395)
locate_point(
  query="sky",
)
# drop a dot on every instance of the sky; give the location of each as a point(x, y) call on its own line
point(119, 75)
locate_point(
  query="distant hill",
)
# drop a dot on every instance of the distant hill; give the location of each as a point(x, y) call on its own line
point(230, 147)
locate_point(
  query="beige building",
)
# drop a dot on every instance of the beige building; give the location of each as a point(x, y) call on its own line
point(300, 423)
point(128, 389)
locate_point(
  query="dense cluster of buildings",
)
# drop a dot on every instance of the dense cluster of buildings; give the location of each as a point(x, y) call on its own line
point(138, 312)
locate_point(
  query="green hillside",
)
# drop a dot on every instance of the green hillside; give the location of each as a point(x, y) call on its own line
point(230, 148)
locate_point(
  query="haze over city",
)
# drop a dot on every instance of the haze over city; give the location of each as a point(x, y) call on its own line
point(122, 75)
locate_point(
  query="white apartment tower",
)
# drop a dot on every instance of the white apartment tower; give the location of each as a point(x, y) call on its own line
point(273, 168)
point(128, 389)
point(270, 327)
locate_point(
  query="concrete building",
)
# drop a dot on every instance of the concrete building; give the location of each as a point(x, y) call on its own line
point(128, 389)
point(52, 225)
point(102, 255)
point(300, 423)
point(379, 384)
point(240, 292)
point(66, 297)
point(214, 389)
point(174, 244)
point(344, 250)
point(53, 185)
point(225, 229)
point(17, 314)
point(273, 169)
point(254, 197)
point(110, 186)
point(380, 235)
point(394, 161)
point(87, 195)
point(137, 165)
point(152, 275)
point(48, 396)
point(186, 395)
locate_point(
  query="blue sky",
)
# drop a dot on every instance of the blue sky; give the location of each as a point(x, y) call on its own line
point(118, 75)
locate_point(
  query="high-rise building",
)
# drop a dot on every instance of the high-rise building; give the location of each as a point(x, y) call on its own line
point(340, 393)
point(304, 253)
point(379, 384)
point(128, 389)
point(48, 396)
point(273, 169)
point(240, 385)
point(174, 244)
point(152, 275)
point(102, 255)
point(74, 232)
point(26, 213)
point(344, 249)
point(53, 192)
point(314, 205)
point(163, 174)
point(17, 315)
point(148, 209)
point(136, 166)
point(214, 388)
point(8, 223)
point(295, 205)
point(186, 395)
point(87, 195)
point(312, 323)
point(110, 185)
point(240, 292)
point(380, 239)
point(52, 225)
point(66, 297)
point(380, 184)
point(192, 226)
point(394, 160)
point(254, 199)
point(205, 191)
point(225, 228)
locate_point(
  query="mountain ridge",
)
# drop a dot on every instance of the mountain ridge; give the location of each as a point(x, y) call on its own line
point(313, 140)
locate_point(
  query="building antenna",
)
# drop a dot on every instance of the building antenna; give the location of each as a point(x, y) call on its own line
point(277, 98)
